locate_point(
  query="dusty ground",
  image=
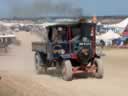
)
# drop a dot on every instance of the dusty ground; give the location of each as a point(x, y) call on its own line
point(19, 77)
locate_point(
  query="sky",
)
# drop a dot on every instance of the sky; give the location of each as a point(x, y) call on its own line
point(28, 8)
point(105, 7)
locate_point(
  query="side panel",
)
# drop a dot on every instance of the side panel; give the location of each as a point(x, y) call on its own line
point(39, 41)
point(39, 46)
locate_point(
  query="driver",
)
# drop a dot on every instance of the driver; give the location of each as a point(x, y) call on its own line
point(78, 32)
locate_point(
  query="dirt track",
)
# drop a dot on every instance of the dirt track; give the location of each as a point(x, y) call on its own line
point(20, 79)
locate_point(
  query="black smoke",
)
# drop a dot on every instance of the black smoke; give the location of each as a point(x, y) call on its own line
point(38, 8)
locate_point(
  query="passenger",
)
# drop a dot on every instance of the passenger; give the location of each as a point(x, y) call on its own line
point(58, 35)
point(102, 43)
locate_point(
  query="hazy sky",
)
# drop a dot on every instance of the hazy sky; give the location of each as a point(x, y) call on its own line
point(105, 7)
point(10, 8)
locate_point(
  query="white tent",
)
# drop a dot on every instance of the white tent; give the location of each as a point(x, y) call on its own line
point(108, 36)
point(122, 24)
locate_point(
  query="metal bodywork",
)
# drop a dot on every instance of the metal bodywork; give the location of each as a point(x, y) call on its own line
point(7, 36)
point(6, 40)
point(75, 49)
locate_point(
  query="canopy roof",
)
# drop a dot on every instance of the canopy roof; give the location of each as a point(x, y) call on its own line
point(62, 22)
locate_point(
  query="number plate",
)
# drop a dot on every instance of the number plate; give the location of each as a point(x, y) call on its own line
point(83, 44)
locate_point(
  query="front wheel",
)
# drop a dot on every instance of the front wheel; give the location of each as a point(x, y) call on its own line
point(99, 69)
point(67, 70)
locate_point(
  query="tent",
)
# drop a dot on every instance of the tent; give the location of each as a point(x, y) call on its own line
point(108, 36)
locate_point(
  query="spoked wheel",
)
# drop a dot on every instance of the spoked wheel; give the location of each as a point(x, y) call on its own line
point(99, 69)
point(39, 64)
point(67, 70)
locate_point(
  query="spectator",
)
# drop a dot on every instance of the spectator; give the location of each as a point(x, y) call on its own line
point(102, 43)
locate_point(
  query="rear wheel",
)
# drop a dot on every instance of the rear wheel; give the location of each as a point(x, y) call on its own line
point(67, 70)
point(40, 63)
point(99, 70)
point(58, 68)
